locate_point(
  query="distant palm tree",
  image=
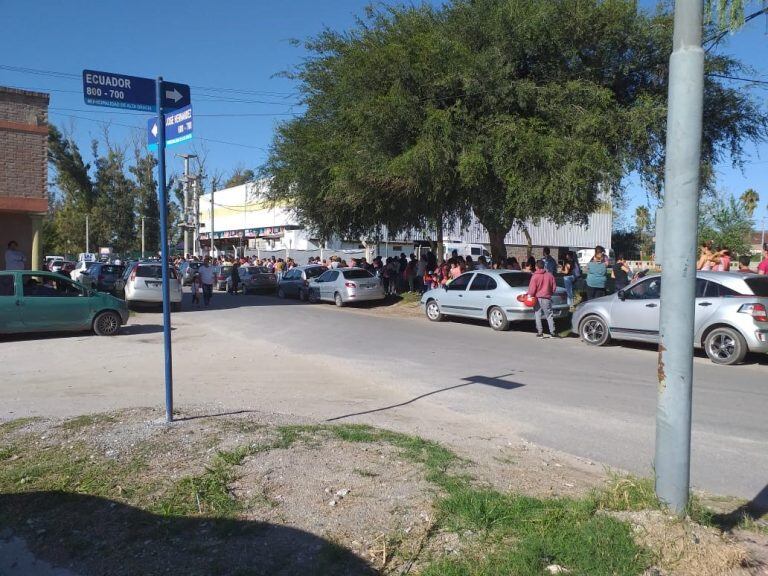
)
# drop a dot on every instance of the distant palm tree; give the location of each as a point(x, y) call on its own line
point(750, 199)
point(642, 218)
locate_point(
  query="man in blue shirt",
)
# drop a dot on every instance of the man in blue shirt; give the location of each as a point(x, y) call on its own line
point(550, 264)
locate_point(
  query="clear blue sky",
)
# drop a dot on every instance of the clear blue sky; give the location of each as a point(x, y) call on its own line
point(229, 52)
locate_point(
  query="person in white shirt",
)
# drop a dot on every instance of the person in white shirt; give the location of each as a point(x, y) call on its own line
point(14, 258)
point(207, 276)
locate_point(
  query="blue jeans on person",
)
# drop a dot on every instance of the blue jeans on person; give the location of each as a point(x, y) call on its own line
point(569, 281)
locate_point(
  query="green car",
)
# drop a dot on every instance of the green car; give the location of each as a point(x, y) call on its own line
point(35, 301)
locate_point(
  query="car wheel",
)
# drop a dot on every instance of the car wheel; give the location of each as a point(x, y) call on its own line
point(497, 319)
point(107, 323)
point(280, 293)
point(433, 311)
point(338, 300)
point(594, 331)
point(725, 346)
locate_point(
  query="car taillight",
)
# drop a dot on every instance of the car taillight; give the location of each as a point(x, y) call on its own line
point(757, 311)
point(350, 284)
point(133, 275)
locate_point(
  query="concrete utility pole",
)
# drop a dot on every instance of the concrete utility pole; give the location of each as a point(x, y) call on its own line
point(678, 283)
point(213, 245)
point(87, 234)
point(187, 205)
point(196, 238)
point(142, 237)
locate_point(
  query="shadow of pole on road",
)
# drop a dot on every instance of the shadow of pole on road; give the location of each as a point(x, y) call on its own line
point(495, 381)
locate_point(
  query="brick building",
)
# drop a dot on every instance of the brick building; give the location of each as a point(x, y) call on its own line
point(23, 170)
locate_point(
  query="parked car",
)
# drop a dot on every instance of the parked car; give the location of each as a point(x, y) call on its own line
point(78, 272)
point(254, 279)
point(295, 282)
point(62, 266)
point(143, 283)
point(730, 315)
point(221, 275)
point(344, 285)
point(103, 276)
point(187, 270)
point(488, 295)
point(50, 260)
point(32, 301)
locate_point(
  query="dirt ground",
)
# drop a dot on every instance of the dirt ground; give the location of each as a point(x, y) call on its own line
point(124, 493)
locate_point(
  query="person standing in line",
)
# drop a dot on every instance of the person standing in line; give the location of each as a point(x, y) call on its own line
point(621, 273)
point(744, 262)
point(762, 268)
point(542, 286)
point(207, 276)
point(550, 264)
point(571, 273)
point(196, 289)
point(596, 275)
point(236, 278)
point(14, 258)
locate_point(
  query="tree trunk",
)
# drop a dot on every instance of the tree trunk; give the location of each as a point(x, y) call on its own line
point(528, 243)
point(498, 248)
point(440, 243)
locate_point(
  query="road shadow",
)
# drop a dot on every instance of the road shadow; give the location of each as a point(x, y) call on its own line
point(95, 536)
point(494, 381)
point(755, 509)
point(182, 418)
point(133, 329)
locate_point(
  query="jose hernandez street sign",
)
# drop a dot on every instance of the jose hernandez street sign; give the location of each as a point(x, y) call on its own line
point(178, 128)
point(134, 93)
point(131, 92)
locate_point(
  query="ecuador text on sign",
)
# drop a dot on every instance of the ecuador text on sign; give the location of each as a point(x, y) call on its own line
point(178, 128)
point(131, 92)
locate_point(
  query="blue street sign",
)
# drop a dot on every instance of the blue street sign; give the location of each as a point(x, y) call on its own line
point(131, 92)
point(178, 128)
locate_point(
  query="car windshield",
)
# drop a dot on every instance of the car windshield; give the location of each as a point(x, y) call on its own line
point(517, 279)
point(357, 274)
point(111, 269)
point(759, 286)
point(314, 272)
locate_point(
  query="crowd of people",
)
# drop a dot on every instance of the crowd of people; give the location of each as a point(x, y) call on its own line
point(419, 274)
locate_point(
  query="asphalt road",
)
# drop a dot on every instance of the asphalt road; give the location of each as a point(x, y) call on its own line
point(356, 365)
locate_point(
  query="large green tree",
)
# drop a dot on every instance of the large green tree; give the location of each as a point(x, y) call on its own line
point(517, 109)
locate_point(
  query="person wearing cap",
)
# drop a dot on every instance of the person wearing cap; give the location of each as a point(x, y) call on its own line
point(542, 286)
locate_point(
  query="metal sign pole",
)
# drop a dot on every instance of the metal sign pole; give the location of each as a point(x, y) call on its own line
point(162, 194)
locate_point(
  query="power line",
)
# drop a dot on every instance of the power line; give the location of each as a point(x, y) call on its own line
point(71, 76)
point(196, 115)
point(142, 129)
point(739, 79)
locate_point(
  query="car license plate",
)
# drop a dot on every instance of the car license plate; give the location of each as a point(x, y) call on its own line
point(152, 283)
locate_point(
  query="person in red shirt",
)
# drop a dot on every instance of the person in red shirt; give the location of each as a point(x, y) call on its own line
point(762, 268)
point(542, 286)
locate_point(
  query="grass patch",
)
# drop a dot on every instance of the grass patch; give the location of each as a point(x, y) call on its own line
point(571, 533)
point(206, 494)
point(627, 493)
point(86, 421)
point(13, 425)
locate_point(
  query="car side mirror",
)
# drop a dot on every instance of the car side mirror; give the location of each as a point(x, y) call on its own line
point(622, 295)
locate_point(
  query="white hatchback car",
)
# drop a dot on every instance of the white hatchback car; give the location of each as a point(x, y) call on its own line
point(143, 283)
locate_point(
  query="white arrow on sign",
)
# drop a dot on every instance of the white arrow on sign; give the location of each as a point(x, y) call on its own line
point(174, 95)
point(154, 130)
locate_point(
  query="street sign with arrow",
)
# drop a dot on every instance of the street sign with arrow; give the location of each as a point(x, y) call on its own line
point(178, 128)
point(131, 92)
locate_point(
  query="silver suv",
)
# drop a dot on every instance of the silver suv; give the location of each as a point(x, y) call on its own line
point(731, 315)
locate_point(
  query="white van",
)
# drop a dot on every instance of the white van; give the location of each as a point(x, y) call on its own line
point(586, 254)
point(465, 249)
